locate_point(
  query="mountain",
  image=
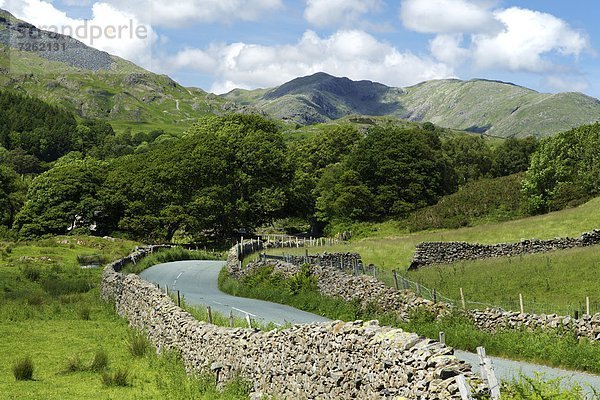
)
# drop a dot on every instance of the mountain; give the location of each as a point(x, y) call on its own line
point(480, 106)
point(95, 84)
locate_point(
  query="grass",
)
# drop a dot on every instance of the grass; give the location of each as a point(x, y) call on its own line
point(388, 246)
point(23, 369)
point(73, 337)
point(556, 282)
point(558, 350)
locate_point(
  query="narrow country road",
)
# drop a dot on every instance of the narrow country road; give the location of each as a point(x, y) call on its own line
point(197, 282)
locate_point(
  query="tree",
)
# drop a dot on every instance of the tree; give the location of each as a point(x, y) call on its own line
point(564, 170)
point(403, 168)
point(513, 156)
point(63, 198)
point(12, 195)
point(470, 156)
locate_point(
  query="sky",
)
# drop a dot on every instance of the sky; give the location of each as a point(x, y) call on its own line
point(218, 45)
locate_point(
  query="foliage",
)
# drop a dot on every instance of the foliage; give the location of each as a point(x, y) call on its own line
point(23, 368)
point(526, 388)
point(390, 172)
point(513, 156)
point(226, 173)
point(484, 200)
point(12, 195)
point(62, 199)
point(470, 155)
point(100, 361)
point(138, 344)
point(565, 170)
point(119, 377)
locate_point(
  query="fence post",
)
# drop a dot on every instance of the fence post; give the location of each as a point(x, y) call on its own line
point(374, 271)
point(463, 388)
point(521, 303)
point(442, 338)
point(488, 374)
point(587, 305)
point(462, 299)
point(418, 289)
point(209, 312)
point(178, 299)
point(395, 278)
point(434, 296)
point(249, 321)
point(231, 320)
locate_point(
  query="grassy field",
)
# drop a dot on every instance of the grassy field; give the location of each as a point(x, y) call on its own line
point(50, 310)
point(554, 282)
point(389, 248)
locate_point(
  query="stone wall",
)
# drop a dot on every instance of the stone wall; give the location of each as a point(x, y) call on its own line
point(319, 361)
point(428, 253)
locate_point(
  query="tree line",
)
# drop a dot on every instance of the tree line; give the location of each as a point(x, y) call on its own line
point(231, 174)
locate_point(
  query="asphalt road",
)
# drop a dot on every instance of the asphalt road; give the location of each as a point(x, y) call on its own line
point(197, 281)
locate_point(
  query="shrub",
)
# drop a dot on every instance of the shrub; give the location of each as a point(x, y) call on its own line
point(84, 313)
point(119, 377)
point(32, 272)
point(138, 344)
point(74, 364)
point(100, 362)
point(23, 369)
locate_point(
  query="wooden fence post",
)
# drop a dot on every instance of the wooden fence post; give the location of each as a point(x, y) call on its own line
point(209, 312)
point(488, 374)
point(231, 320)
point(462, 299)
point(434, 296)
point(463, 388)
point(521, 303)
point(587, 305)
point(395, 278)
point(178, 299)
point(418, 289)
point(249, 321)
point(442, 338)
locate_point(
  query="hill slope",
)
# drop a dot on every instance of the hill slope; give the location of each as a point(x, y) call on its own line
point(480, 106)
point(93, 83)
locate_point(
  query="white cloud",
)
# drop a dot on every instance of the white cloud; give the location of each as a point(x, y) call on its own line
point(351, 53)
point(111, 30)
point(447, 48)
point(566, 83)
point(528, 36)
point(448, 16)
point(1, 3)
point(338, 12)
point(174, 14)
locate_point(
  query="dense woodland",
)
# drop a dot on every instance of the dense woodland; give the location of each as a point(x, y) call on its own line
point(235, 173)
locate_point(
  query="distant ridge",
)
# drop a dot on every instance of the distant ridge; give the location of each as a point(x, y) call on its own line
point(480, 105)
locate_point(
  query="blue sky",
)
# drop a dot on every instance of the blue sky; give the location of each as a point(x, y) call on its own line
point(218, 45)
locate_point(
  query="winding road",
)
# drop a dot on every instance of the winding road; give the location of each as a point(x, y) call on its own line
point(197, 282)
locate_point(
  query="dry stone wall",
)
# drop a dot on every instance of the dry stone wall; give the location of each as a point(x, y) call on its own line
point(335, 360)
point(429, 253)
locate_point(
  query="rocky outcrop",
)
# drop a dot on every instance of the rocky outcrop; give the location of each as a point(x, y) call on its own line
point(430, 253)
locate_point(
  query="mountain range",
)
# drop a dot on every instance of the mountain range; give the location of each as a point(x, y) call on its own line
point(93, 83)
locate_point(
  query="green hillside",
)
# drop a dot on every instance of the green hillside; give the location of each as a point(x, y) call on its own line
point(480, 106)
point(98, 85)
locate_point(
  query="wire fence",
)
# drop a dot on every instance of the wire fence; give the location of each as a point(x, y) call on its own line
point(575, 307)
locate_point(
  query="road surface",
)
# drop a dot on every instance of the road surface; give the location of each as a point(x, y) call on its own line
point(197, 281)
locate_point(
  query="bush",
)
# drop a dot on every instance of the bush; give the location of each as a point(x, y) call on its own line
point(100, 362)
point(118, 378)
point(138, 344)
point(32, 272)
point(84, 313)
point(74, 364)
point(23, 369)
